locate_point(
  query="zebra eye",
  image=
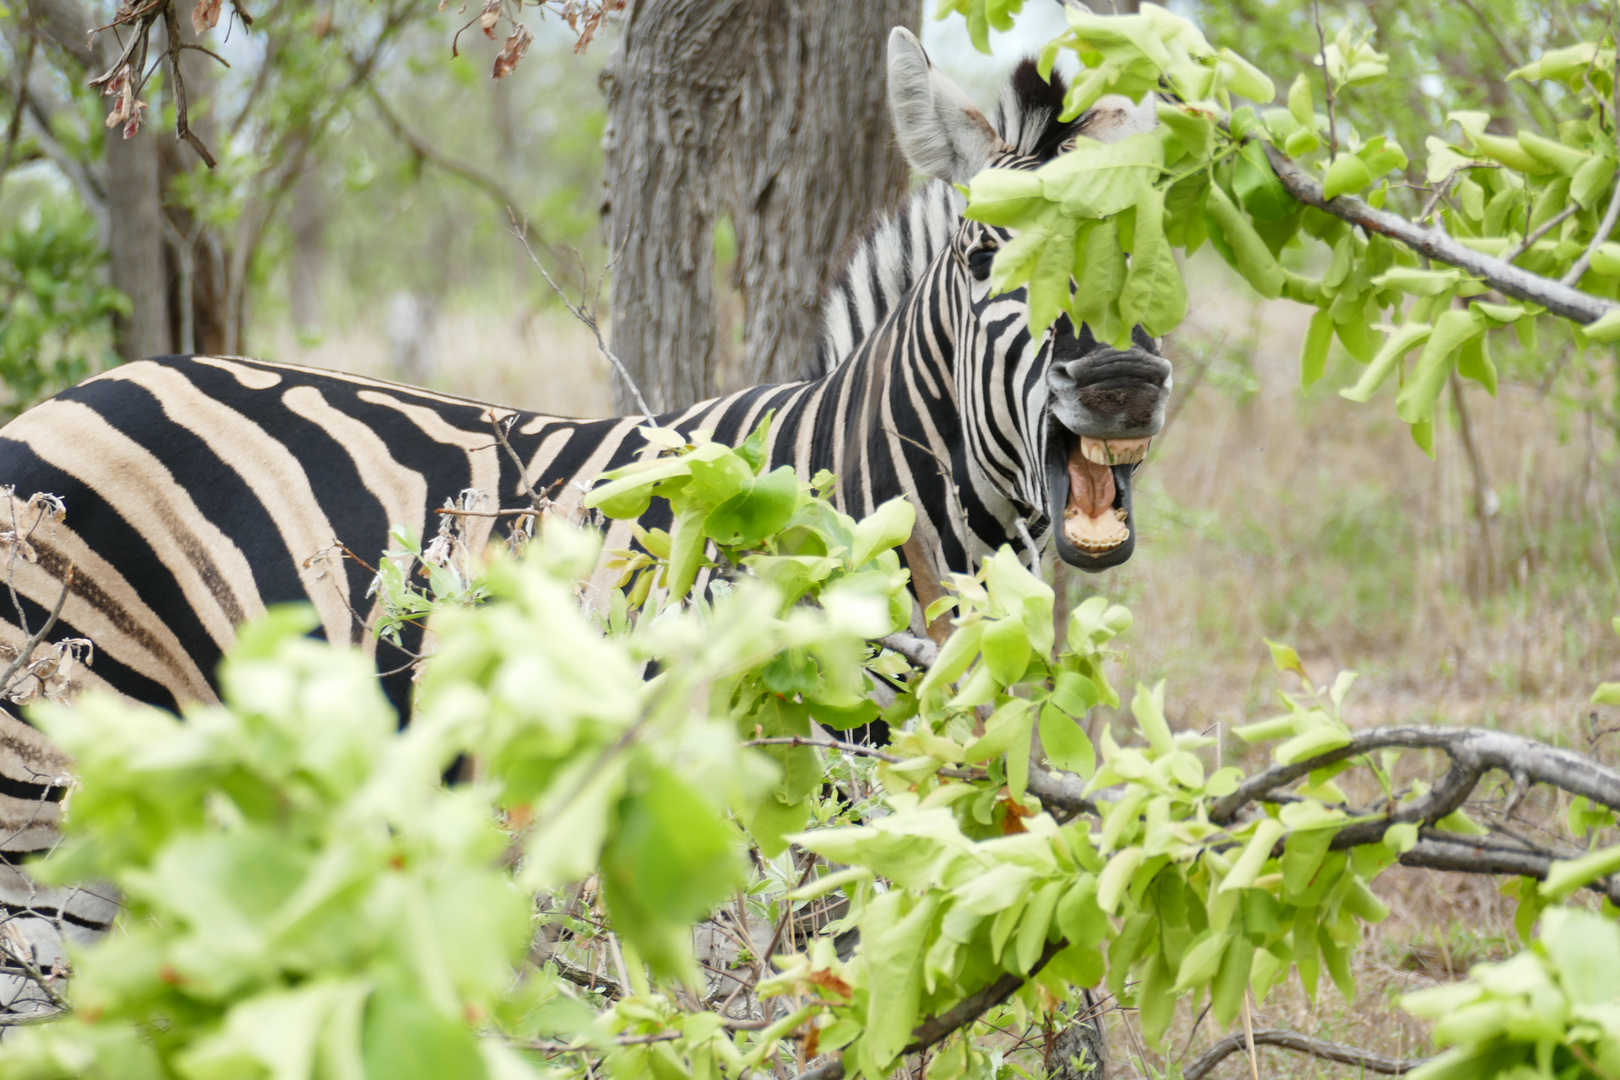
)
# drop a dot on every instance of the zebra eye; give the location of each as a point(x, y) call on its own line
point(979, 260)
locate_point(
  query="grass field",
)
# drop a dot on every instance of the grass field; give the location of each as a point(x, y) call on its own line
point(1308, 519)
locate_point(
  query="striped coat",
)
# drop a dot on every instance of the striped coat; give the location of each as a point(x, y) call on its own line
point(199, 490)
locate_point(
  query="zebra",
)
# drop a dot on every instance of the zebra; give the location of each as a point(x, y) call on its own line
point(198, 487)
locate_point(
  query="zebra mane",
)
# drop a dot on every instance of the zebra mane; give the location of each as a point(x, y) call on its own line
point(898, 245)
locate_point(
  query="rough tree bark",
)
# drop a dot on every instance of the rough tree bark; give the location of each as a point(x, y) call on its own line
point(771, 111)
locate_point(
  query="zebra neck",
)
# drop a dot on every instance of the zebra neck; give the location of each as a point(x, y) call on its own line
point(891, 256)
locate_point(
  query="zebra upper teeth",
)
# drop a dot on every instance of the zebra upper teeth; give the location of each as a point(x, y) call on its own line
point(1114, 451)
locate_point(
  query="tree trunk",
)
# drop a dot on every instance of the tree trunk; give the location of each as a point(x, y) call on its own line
point(135, 245)
point(772, 111)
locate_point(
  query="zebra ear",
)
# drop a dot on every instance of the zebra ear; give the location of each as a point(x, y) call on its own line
point(938, 129)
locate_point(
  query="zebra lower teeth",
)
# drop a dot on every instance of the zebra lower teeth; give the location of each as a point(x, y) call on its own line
point(1114, 451)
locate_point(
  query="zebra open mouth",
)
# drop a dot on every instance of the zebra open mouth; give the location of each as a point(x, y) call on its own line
point(1089, 492)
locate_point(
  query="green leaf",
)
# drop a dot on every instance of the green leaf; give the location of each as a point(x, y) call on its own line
point(1191, 127)
point(1564, 876)
point(1066, 744)
point(1006, 197)
point(1259, 191)
point(1255, 853)
point(1605, 330)
point(1101, 179)
point(1248, 252)
point(1347, 175)
point(1554, 155)
point(1226, 993)
point(1313, 358)
point(1396, 345)
point(1606, 694)
point(406, 1037)
point(668, 860)
point(1081, 920)
point(1006, 649)
point(1474, 362)
point(1452, 330)
point(1116, 878)
point(1284, 658)
point(892, 951)
point(1300, 103)
point(1592, 180)
point(1148, 708)
point(1099, 276)
point(887, 527)
point(1246, 79)
point(1074, 693)
point(1154, 295)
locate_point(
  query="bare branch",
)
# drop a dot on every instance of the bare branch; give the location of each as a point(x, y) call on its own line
point(920, 651)
point(427, 152)
point(1474, 855)
point(1434, 242)
point(521, 231)
point(1302, 1044)
point(171, 24)
point(1470, 749)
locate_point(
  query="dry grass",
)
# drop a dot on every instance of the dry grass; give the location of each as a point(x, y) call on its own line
point(1308, 519)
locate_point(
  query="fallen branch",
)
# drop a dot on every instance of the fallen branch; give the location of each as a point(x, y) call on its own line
point(1301, 1044)
point(1435, 243)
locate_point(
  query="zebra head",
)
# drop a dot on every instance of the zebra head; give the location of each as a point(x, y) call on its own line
point(1055, 428)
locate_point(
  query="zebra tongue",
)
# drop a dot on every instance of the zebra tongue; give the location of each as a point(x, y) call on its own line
point(1090, 521)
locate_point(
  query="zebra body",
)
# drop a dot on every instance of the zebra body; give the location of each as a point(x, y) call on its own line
point(200, 489)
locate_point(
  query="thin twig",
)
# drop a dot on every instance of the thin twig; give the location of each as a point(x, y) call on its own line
point(1248, 1021)
point(427, 152)
point(27, 651)
point(15, 128)
point(1610, 215)
point(521, 231)
point(1540, 230)
point(859, 750)
point(1327, 83)
point(171, 23)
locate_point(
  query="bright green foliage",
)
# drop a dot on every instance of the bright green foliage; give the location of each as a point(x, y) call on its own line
point(298, 884)
point(307, 900)
point(56, 310)
point(1204, 174)
point(1552, 1010)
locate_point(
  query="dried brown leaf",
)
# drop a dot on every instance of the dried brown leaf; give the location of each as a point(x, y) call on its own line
point(512, 51)
point(205, 16)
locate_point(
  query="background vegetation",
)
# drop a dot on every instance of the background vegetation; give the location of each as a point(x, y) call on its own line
point(1473, 588)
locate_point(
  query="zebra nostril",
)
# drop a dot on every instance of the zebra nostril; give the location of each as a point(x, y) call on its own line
point(1060, 377)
